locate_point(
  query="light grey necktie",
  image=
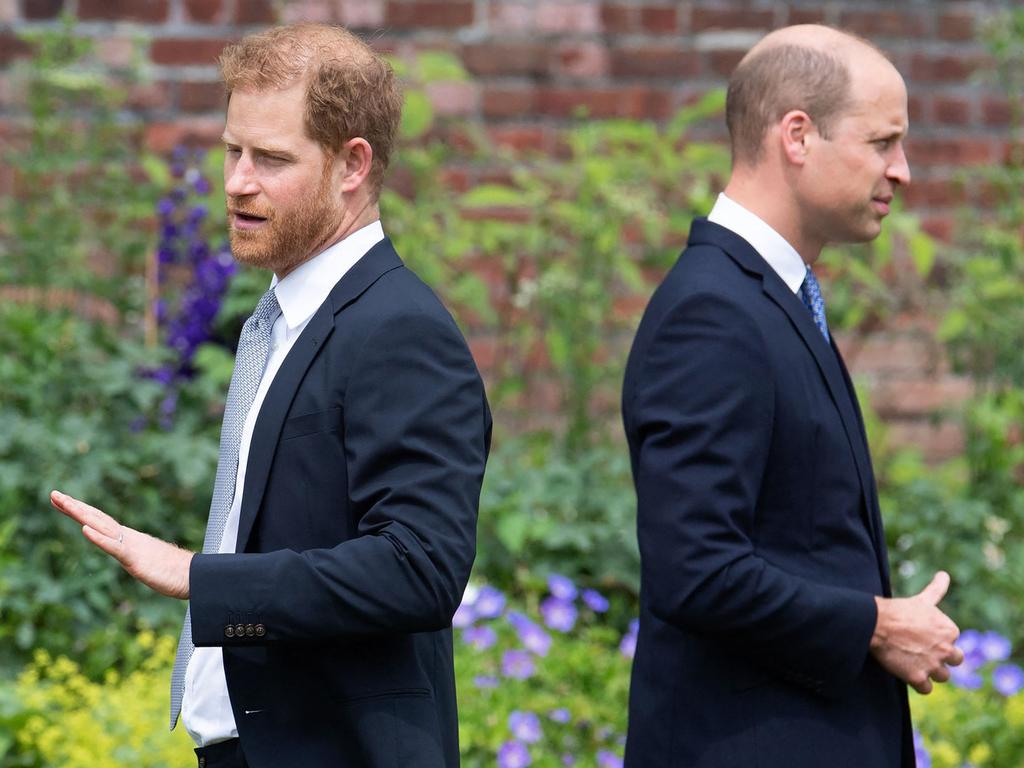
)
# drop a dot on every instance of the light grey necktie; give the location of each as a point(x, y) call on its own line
point(250, 361)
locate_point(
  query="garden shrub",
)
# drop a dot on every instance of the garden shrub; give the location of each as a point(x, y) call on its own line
point(69, 720)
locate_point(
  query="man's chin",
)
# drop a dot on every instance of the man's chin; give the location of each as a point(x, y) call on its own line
point(247, 249)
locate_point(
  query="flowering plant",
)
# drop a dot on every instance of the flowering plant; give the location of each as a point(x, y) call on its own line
point(978, 719)
point(544, 679)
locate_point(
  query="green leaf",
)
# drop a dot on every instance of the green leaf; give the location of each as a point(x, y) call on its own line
point(435, 66)
point(417, 115)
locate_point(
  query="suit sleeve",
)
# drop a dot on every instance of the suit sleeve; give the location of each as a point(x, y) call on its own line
point(417, 431)
point(700, 414)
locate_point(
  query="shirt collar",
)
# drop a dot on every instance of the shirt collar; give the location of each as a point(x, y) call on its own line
point(304, 289)
point(773, 247)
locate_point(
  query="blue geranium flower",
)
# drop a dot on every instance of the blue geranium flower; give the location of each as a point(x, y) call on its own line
point(481, 638)
point(489, 603)
point(513, 754)
point(525, 726)
point(561, 587)
point(595, 601)
point(558, 614)
point(517, 664)
point(1008, 679)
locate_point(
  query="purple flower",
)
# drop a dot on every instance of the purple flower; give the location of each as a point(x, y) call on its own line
point(921, 755)
point(202, 186)
point(464, 616)
point(561, 587)
point(606, 759)
point(525, 726)
point(560, 715)
point(517, 664)
point(165, 207)
point(513, 754)
point(558, 614)
point(628, 645)
point(485, 681)
point(1008, 679)
point(995, 647)
point(568, 759)
point(966, 676)
point(595, 601)
point(970, 643)
point(480, 638)
point(533, 637)
point(489, 603)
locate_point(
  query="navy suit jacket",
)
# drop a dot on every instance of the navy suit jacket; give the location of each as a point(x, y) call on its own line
point(760, 535)
point(356, 536)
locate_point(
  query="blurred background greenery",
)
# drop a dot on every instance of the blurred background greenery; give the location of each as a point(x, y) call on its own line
point(114, 373)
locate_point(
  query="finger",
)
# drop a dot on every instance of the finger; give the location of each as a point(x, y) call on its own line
point(940, 675)
point(112, 546)
point(955, 657)
point(923, 688)
point(936, 589)
point(85, 514)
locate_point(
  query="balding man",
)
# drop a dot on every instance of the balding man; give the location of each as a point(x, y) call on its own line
point(768, 634)
point(343, 522)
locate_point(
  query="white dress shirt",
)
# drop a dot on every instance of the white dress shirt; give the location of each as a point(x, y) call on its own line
point(773, 247)
point(206, 708)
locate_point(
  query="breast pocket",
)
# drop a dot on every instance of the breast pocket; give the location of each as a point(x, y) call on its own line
point(312, 424)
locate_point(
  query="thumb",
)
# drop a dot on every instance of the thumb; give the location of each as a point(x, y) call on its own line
point(936, 589)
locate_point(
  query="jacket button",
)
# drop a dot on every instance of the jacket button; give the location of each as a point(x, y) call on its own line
point(229, 631)
point(249, 630)
point(260, 630)
point(239, 630)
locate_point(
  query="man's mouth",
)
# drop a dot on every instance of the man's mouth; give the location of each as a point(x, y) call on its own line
point(244, 220)
point(881, 204)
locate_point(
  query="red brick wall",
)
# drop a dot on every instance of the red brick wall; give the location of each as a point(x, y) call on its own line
point(535, 61)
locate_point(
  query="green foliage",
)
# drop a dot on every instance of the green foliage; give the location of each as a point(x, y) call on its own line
point(541, 510)
point(78, 216)
point(75, 415)
point(578, 689)
point(870, 283)
point(981, 728)
point(566, 242)
point(58, 716)
point(77, 409)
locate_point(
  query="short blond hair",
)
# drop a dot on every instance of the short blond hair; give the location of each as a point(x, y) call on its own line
point(351, 91)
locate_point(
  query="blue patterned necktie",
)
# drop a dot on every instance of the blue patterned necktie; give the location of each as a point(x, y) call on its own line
point(810, 292)
point(250, 361)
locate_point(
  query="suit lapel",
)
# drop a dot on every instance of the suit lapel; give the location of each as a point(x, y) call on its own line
point(824, 355)
point(364, 273)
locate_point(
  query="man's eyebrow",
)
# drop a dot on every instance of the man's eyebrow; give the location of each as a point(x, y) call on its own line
point(225, 139)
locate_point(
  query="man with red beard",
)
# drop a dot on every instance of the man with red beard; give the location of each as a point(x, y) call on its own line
point(342, 527)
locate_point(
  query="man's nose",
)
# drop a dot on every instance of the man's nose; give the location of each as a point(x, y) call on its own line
point(240, 178)
point(899, 168)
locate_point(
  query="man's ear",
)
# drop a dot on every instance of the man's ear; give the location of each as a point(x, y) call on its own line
point(796, 129)
point(356, 160)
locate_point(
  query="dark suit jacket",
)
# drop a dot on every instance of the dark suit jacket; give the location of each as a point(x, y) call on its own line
point(358, 528)
point(760, 534)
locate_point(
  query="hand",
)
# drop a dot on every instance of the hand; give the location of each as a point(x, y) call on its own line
point(161, 566)
point(913, 639)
